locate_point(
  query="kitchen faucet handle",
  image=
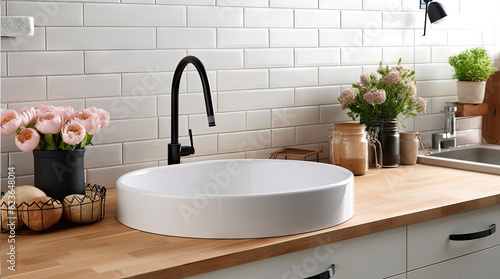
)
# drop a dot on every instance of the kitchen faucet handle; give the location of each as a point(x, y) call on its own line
point(188, 150)
point(191, 137)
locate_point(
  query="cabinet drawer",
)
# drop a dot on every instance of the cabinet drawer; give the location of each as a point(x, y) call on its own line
point(374, 256)
point(428, 242)
point(481, 265)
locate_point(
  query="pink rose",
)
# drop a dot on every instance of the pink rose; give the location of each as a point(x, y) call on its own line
point(41, 109)
point(65, 112)
point(28, 116)
point(28, 139)
point(73, 133)
point(103, 115)
point(10, 122)
point(49, 123)
point(88, 119)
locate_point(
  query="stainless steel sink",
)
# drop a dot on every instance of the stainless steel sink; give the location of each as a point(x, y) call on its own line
point(480, 158)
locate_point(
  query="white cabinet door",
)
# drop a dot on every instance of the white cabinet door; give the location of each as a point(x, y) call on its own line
point(484, 264)
point(429, 243)
point(373, 256)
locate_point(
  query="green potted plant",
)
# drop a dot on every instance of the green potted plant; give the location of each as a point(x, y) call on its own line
point(472, 67)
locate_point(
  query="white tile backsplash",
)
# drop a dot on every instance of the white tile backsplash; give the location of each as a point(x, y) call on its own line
point(140, 84)
point(382, 37)
point(341, 4)
point(199, 16)
point(269, 58)
point(391, 55)
point(361, 19)
point(242, 79)
point(43, 63)
point(295, 116)
point(258, 119)
point(242, 38)
point(276, 69)
point(23, 89)
point(244, 141)
point(403, 20)
point(134, 15)
point(132, 61)
point(219, 58)
point(339, 75)
point(283, 137)
point(48, 13)
point(317, 19)
point(312, 134)
point(72, 87)
point(103, 155)
point(22, 161)
point(226, 122)
point(95, 38)
point(465, 37)
point(294, 38)
point(317, 57)
point(129, 129)
point(239, 3)
point(26, 43)
point(256, 99)
point(322, 95)
point(294, 3)
point(293, 77)
point(387, 5)
point(361, 56)
point(437, 88)
point(340, 37)
point(127, 107)
point(260, 17)
point(3, 57)
point(144, 151)
point(186, 38)
point(333, 113)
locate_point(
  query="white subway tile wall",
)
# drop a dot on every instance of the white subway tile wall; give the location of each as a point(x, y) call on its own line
point(276, 69)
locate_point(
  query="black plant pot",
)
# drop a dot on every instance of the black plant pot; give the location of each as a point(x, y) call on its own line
point(388, 136)
point(59, 172)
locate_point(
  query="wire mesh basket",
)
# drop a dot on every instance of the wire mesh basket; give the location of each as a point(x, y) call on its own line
point(44, 214)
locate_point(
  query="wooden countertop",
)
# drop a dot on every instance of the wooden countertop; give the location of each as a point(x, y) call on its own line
point(384, 199)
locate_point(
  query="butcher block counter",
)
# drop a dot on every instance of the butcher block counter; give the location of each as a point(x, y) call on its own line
point(384, 199)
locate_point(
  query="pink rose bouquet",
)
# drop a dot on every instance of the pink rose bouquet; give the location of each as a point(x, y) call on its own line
point(390, 94)
point(53, 128)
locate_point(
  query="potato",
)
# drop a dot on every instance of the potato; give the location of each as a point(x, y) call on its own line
point(39, 214)
point(82, 209)
point(22, 194)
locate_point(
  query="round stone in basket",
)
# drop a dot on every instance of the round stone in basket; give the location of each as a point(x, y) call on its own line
point(85, 209)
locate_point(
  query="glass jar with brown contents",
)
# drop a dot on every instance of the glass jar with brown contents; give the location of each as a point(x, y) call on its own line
point(351, 147)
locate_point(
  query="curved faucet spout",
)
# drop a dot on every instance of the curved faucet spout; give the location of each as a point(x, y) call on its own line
point(174, 148)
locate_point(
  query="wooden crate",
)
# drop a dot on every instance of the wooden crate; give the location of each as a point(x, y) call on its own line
point(471, 110)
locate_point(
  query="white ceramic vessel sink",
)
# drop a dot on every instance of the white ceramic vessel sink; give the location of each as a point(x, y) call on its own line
point(236, 198)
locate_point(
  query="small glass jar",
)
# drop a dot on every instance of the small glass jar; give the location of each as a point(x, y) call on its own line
point(350, 147)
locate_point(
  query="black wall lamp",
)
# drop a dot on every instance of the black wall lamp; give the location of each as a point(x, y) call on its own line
point(435, 10)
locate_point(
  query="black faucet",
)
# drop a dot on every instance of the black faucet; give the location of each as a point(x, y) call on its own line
point(175, 150)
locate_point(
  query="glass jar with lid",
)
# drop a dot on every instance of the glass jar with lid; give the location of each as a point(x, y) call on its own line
point(350, 147)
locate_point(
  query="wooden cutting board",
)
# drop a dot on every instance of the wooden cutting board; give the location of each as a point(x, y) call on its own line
point(491, 121)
